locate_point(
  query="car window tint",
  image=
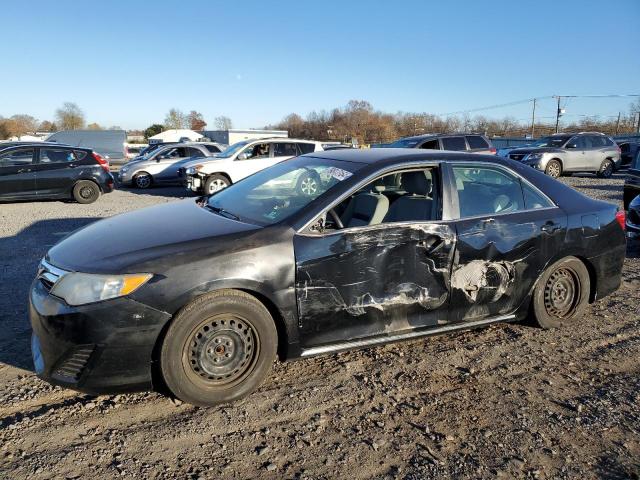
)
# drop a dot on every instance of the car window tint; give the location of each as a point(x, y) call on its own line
point(607, 141)
point(533, 198)
point(453, 143)
point(283, 149)
point(306, 147)
point(20, 156)
point(579, 142)
point(260, 150)
point(476, 141)
point(431, 145)
point(487, 191)
point(80, 154)
point(212, 148)
point(57, 155)
point(194, 152)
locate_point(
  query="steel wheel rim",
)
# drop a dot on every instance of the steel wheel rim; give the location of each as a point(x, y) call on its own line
point(554, 170)
point(86, 192)
point(217, 185)
point(143, 181)
point(221, 351)
point(562, 293)
point(309, 186)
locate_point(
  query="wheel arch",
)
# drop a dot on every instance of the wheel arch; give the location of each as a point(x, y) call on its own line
point(85, 179)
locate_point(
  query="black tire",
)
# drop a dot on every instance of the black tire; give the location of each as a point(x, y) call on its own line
point(607, 168)
point(553, 168)
point(142, 180)
point(308, 184)
point(219, 348)
point(215, 183)
point(562, 293)
point(86, 191)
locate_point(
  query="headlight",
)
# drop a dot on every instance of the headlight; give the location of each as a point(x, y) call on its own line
point(193, 169)
point(533, 157)
point(81, 288)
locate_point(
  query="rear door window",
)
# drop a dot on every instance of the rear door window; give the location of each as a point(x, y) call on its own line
point(285, 149)
point(16, 158)
point(487, 191)
point(453, 143)
point(431, 145)
point(212, 148)
point(476, 141)
point(533, 199)
point(194, 152)
point(57, 155)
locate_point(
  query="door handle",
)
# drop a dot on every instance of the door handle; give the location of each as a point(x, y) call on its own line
point(550, 227)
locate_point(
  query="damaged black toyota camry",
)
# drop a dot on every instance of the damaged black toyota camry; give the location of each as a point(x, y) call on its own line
point(199, 296)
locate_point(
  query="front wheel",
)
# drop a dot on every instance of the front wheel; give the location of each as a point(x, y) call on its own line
point(553, 169)
point(562, 293)
point(142, 180)
point(215, 183)
point(606, 169)
point(219, 348)
point(86, 191)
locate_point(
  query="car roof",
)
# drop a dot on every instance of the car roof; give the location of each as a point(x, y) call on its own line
point(38, 144)
point(400, 155)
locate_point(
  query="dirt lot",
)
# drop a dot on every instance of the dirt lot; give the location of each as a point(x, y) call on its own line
point(507, 401)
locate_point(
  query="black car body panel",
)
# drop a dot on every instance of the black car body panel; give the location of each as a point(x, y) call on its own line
point(42, 177)
point(632, 182)
point(331, 290)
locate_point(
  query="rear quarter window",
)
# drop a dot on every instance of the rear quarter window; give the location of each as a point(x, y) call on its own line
point(476, 141)
point(306, 147)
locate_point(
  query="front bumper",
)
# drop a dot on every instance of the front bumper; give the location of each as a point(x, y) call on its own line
point(194, 183)
point(105, 347)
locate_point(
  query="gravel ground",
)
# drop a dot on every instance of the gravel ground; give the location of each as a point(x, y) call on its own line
point(508, 401)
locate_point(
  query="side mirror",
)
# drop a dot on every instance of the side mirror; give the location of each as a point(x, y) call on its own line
point(571, 145)
point(243, 156)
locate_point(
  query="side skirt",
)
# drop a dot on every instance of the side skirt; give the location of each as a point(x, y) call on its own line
point(367, 342)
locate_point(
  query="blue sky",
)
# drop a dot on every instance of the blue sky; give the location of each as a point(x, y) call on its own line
point(127, 62)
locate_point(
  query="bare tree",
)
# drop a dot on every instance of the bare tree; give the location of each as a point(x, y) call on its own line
point(70, 117)
point(175, 119)
point(223, 123)
point(94, 126)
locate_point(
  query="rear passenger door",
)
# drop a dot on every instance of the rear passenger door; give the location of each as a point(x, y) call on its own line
point(58, 169)
point(17, 175)
point(507, 232)
point(457, 144)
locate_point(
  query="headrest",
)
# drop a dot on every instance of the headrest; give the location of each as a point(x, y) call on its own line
point(416, 183)
point(379, 188)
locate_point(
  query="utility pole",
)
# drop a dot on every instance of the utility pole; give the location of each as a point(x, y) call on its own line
point(618, 123)
point(558, 114)
point(638, 127)
point(533, 119)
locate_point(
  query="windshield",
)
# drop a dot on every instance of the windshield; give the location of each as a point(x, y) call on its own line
point(278, 192)
point(404, 143)
point(554, 141)
point(232, 149)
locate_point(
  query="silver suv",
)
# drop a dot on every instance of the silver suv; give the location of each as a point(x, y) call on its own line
point(571, 152)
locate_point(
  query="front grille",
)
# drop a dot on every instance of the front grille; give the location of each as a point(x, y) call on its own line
point(517, 156)
point(49, 275)
point(71, 368)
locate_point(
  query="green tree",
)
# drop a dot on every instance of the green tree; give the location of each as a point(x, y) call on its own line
point(154, 129)
point(70, 117)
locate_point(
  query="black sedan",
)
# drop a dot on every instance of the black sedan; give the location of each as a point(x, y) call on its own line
point(201, 295)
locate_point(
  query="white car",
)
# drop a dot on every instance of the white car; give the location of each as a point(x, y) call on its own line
point(246, 158)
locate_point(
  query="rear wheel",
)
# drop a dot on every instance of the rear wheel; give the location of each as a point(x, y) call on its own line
point(215, 183)
point(553, 168)
point(606, 169)
point(142, 180)
point(562, 293)
point(219, 348)
point(86, 191)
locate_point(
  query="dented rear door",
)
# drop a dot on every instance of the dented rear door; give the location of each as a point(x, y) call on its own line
point(370, 281)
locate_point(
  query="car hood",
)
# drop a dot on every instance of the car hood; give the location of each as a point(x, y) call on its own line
point(120, 243)
point(535, 150)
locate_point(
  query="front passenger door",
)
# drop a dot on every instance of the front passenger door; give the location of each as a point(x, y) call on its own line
point(17, 175)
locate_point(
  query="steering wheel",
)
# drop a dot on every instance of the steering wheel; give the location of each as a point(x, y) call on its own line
point(336, 218)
